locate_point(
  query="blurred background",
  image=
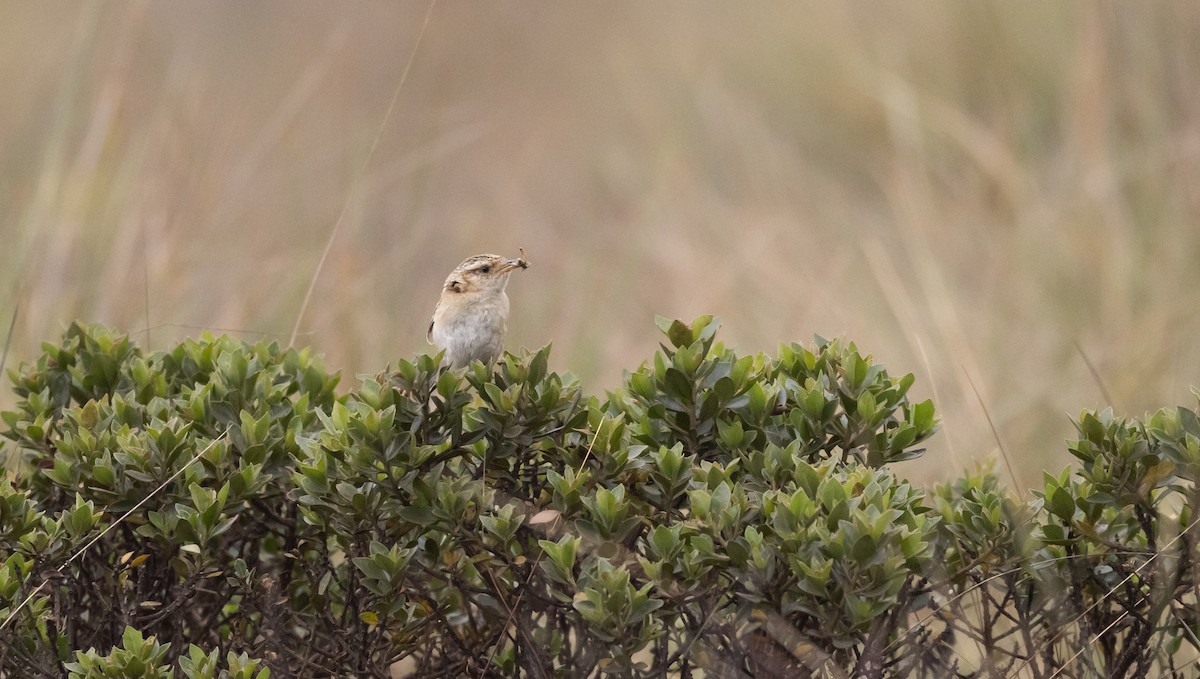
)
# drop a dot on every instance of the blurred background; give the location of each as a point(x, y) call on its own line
point(990, 195)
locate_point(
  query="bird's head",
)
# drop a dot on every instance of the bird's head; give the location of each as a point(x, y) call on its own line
point(483, 273)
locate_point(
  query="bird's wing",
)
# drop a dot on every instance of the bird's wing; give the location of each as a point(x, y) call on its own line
point(429, 333)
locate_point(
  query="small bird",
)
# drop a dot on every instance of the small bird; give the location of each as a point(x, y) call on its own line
point(470, 317)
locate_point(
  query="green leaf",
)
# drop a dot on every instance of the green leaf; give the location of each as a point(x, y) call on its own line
point(731, 434)
point(641, 385)
point(678, 385)
point(923, 415)
point(663, 323)
point(1062, 504)
point(679, 334)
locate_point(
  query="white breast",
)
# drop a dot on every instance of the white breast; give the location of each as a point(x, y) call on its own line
point(471, 328)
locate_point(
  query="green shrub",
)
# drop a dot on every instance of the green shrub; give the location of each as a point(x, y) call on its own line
point(217, 510)
point(196, 445)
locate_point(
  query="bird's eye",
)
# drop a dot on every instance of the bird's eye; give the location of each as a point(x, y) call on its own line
point(485, 269)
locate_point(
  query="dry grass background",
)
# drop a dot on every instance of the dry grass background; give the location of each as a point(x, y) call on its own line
point(974, 192)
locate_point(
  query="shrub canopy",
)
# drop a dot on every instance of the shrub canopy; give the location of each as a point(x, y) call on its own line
point(221, 510)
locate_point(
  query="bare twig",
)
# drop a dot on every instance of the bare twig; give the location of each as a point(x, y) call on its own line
point(1088, 645)
point(12, 325)
point(1107, 594)
point(312, 283)
point(919, 624)
point(996, 434)
point(1095, 375)
point(12, 616)
point(595, 436)
point(532, 569)
point(237, 331)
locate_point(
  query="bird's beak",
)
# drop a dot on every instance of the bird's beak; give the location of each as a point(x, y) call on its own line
point(510, 264)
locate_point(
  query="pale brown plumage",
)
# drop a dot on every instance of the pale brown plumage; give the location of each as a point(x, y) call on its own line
point(470, 317)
